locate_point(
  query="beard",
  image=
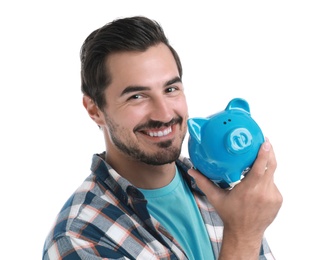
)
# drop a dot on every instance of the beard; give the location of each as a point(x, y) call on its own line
point(168, 152)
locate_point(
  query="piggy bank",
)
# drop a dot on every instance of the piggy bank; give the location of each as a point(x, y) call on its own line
point(224, 145)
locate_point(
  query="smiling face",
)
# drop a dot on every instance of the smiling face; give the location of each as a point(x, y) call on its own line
point(146, 112)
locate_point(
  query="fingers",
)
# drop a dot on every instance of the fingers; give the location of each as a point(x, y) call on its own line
point(260, 176)
point(272, 162)
point(207, 186)
point(203, 182)
point(265, 163)
point(251, 206)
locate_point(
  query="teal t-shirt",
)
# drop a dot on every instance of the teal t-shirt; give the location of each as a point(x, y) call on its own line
point(175, 208)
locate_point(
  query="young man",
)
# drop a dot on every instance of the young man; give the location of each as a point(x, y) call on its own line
point(141, 200)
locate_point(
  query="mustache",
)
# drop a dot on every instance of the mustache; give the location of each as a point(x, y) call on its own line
point(159, 124)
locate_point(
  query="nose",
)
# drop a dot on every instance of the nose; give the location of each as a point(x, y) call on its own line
point(162, 110)
point(239, 140)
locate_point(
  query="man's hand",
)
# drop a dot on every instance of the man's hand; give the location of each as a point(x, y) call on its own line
point(248, 209)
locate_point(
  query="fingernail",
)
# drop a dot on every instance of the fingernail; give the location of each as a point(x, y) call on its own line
point(266, 145)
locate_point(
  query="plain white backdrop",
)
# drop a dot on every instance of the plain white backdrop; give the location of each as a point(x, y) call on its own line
point(264, 51)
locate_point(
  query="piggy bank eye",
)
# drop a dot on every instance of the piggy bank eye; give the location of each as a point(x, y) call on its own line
point(225, 122)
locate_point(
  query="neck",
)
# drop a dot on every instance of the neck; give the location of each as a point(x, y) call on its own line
point(140, 174)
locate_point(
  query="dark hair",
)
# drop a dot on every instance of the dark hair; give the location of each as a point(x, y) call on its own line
point(126, 34)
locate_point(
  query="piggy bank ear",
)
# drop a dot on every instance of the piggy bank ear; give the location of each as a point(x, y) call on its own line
point(238, 103)
point(194, 127)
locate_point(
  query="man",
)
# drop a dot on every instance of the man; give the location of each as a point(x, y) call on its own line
point(141, 200)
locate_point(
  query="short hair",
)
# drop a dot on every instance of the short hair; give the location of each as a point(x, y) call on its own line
point(136, 33)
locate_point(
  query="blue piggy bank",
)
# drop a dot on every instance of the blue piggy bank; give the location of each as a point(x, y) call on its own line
point(224, 145)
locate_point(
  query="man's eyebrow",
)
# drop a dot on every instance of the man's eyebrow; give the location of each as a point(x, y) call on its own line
point(130, 89)
point(173, 81)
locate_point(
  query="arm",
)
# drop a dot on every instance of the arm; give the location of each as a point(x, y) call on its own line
point(75, 248)
point(246, 210)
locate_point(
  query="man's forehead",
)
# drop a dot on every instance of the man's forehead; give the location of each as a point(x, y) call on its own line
point(142, 68)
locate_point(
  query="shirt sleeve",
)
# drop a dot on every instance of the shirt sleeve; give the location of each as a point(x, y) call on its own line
point(73, 248)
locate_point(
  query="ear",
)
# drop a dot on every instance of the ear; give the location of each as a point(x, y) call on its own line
point(94, 112)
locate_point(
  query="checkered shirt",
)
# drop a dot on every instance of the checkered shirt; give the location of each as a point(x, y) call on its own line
point(107, 218)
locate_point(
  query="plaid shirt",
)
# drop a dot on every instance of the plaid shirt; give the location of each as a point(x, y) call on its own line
point(107, 218)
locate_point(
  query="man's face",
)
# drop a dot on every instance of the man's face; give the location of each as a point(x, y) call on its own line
point(146, 111)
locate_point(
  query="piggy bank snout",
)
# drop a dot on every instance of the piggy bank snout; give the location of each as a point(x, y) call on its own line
point(239, 140)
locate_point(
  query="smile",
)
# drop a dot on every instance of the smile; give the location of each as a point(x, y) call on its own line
point(159, 133)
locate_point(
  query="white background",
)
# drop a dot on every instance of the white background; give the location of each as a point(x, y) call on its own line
point(264, 51)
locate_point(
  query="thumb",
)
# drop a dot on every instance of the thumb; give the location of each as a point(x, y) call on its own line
point(211, 190)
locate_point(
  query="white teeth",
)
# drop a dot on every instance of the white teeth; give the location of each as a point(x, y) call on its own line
point(160, 133)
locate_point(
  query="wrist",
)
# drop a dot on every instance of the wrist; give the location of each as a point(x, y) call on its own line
point(240, 246)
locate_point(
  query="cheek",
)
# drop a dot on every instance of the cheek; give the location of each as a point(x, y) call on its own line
point(129, 118)
point(184, 113)
point(182, 108)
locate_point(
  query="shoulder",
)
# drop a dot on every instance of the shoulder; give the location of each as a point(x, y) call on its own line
point(84, 221)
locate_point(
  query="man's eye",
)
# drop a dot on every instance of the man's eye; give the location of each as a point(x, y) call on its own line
point(136, 96)
point(171, 89)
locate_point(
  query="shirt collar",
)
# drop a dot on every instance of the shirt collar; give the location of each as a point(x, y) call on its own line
point(121, 186)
